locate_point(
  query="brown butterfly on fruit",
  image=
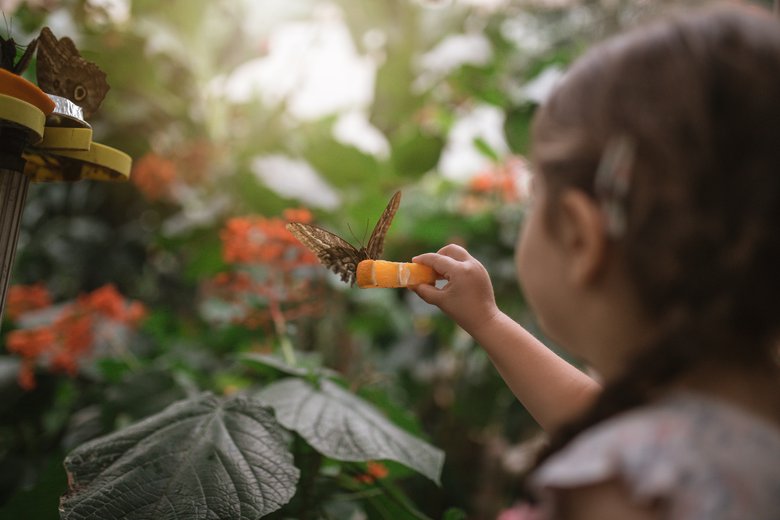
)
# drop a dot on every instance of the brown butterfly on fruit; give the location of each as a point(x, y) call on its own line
point(337, 254)
point(63, 72)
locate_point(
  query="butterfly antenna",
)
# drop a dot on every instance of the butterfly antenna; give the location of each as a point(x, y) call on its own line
point(354, 236)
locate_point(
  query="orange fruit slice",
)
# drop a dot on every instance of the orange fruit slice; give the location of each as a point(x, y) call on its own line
point(381, 273)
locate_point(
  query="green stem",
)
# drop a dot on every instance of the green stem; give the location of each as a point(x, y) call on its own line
point(280, 326)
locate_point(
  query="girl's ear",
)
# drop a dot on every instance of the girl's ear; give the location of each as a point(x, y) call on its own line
point(582, 232)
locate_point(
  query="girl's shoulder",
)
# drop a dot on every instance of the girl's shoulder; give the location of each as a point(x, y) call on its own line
point(703, 457)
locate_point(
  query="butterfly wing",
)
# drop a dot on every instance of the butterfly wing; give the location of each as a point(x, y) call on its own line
point(334, 252)
point(376, 242)
point(62, 71)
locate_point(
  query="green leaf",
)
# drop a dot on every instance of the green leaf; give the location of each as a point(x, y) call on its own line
point(415, 153)
point(305, 366)
point(485, 149)
point(454, 514)
point(342, 165)
point(344, 427)
point(517, 127)
point(200, 458)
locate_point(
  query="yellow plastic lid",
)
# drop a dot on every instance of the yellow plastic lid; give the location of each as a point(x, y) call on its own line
point(15, 112)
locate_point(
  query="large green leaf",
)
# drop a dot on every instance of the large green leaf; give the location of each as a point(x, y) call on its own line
point(343, 426)
point(202, 458)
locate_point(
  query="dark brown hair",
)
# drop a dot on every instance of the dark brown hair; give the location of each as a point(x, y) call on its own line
point(699, 95)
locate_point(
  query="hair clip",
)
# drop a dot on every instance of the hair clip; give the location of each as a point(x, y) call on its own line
point(613, 180)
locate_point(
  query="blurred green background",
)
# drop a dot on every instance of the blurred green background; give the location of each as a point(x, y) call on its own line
point(235, 112)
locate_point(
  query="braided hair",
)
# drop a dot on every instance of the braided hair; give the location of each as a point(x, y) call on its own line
point(699, 95)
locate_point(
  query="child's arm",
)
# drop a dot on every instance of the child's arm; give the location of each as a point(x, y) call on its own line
point(551, 389)
point(608, 499)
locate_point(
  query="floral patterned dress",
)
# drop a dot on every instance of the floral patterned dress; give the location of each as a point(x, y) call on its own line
point(703, 458)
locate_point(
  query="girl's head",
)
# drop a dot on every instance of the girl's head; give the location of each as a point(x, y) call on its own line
point(698, 97)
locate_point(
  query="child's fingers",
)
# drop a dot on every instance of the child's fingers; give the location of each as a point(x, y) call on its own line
point(443, 265)
point(455, 251)
point(428, 293)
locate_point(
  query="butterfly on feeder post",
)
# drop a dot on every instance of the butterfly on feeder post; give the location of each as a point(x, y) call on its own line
point(337, 254)
point(8, 59)
point(62, 71)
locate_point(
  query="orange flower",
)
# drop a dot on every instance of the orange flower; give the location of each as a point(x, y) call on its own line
point(25, 298)
point(109, 301)
point(75, 331)
point(26, 376)
point(508, 179)
point(65, 362)
point(71, 335)
point(136, 312)
point(261, 240)
point(154, 175)
point(195, 158)
point(30, 343)
point(482, 182)
point(374, 471)
point(302, 215)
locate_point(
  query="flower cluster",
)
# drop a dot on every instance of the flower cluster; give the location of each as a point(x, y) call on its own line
point(261, 240)
point(62, 342)
point(270, 281)
point(509, 180)
point(154, 176)
point(25, 298)
point(167, 176)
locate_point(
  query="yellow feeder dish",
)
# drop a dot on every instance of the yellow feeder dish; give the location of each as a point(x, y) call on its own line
point(15, 112)
point(99, 163)
point(64, 138)
point(67, 152)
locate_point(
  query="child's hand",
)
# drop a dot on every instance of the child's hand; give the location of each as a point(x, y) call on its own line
point(468, 296)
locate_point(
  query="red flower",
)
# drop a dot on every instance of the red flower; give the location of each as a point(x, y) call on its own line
point(25, 298)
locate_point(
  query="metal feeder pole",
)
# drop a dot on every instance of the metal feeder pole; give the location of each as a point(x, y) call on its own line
point(13, 193)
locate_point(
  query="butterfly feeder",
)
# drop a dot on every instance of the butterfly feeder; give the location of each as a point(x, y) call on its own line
point(44, 135)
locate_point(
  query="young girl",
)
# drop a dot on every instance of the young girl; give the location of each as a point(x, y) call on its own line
point(651, 253)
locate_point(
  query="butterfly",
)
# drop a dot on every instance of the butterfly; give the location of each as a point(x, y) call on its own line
point(63, 72)
point(8, 55)
point(337, 254)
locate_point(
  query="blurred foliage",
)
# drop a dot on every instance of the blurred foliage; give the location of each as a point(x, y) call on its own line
point(199, 156)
